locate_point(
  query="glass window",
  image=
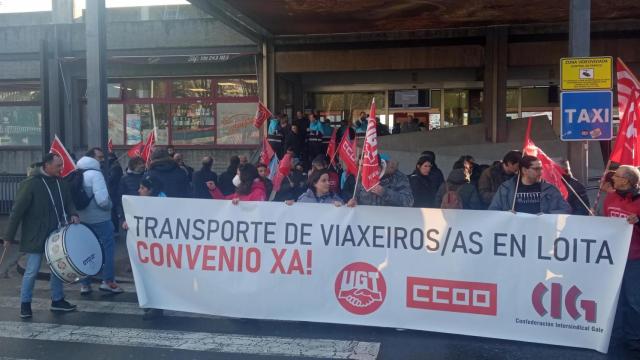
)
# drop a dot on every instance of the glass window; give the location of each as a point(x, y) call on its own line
point(192, 88)
point(535, 97)
point(140, 120)
point(361, 102)
point(235, 124)
point(512, 99)
point(456, 109)
point(114, 91)
point(435, 99)
point(193, 124)
point(20, 125)
point(144, 89)
point(116, 125)
point(329, 102)
point(238, 87)
point(19, 95)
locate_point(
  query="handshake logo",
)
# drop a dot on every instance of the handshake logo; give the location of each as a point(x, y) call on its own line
point(360, 288)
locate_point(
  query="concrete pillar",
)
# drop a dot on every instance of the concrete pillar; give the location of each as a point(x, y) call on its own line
point(62, 11)
point(96, 74)
point(44, 95)
point(495, 83)
point(579, 45)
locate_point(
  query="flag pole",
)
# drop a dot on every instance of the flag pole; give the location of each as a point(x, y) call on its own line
point(515, 194)
point(355, 188)
point(578, 196)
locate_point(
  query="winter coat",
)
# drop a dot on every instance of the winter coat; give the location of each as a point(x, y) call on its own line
point(296, 142)
point(423, 190)
point(173, 177)
point(33, 209)
point(258, 193)
point(99, 209)
point(348, 185)
point(490, 180)
point(576, 206)
point(128, 185)
point(436, 176)
point(293, 185)
point(268, 186)
point(551, 201)
point(225, 182)
point(467, 193)
point(397, 192)
point(310, 197)
point(200, 178)
point(618, 204)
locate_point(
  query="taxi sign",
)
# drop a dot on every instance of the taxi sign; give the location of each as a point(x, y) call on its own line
point(586, 73)
point(586, 115)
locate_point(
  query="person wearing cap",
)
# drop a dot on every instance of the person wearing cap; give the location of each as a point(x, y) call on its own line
point(458, 182)
point(393, 190)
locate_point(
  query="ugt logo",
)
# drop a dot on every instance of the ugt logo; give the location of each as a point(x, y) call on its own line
point(589, 307)
point(360, 288)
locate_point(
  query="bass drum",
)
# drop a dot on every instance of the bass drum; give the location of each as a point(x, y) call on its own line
point(73, 252)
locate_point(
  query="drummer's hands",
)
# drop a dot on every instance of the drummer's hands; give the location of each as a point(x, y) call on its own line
point(75, 219)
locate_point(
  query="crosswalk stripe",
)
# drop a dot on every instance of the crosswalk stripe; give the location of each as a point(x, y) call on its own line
point(91, 306)
point(194, 341)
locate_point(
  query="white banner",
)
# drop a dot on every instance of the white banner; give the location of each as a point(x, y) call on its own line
point(550, 279)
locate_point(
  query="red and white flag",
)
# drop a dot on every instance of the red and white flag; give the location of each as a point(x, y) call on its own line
point(370, 164)
point(331, 149)
point(262, 115)
point(68, 166)
point(347, 152)
point(136, 150)
point(551, 172)
point(267, 152)
point(283, 171)
point(148, 147)
point(627, 145)
point(110, 146)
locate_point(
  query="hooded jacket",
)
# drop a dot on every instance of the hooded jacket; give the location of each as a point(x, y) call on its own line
point(618, 204)
point(490, 180)
point(174, 178)
point(310, 197)
point(397, 192)
point(99, 209)
point(423, 190)
point(551, 201)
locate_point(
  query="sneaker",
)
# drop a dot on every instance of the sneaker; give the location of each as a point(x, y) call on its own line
point(111, 287)
point(151, 314)
point(62, 305)
point(85, 289)
point(25, 310)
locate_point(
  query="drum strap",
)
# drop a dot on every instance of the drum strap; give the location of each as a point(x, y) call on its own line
point(55, 208)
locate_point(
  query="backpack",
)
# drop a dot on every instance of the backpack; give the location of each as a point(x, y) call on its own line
point(79, 196)
point(451, 200)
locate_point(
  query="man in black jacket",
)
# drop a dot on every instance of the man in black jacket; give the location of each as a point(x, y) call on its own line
point(201, 177)
point(226, 178)
point(129, 183)
point(174, 178)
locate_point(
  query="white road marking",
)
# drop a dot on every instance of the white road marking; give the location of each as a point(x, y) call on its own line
point(194, 341)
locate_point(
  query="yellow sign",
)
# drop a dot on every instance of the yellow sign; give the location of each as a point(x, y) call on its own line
point(586, 73)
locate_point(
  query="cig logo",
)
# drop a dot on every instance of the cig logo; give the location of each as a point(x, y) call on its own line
point(589, 307)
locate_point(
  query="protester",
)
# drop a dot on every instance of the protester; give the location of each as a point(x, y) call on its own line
point(499, 172)
point(435, 175)
point(606, 187)
point(225, 183)
point(249, 186)
point(393, 190)
point(578, 207)
point(42, 204)
point(179, 159)
point(295, 143)
point(422, 187)
point(113, 179)
point(458, 192)
point(319, 191)
point(263, 171)
point(275, 135)
point(532, 195)
point(129, 183)
point(320, 163)
point(97, 216)
point(315, 137)
point(294, 184)
point(625, 202)
point(167, 170)
point(171, 150)
point(200, 178)
point(243, 159)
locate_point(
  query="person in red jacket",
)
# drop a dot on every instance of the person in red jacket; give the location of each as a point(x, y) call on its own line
point(248, 185)
point(625, 202)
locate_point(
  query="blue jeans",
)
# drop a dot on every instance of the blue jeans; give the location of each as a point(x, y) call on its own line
point(104, 232)
point(29, 280)
point(628, 312)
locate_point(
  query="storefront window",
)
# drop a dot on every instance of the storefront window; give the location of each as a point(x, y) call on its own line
point(456, 111)
point(19, 95)
point(140, 120)
point(144, 89)
point(237, 88)
point(355, 103)
point(20, 125)
point(193, 124)
point(192, 88)
point(116, 125)
point(235, 124)
point(329, 103)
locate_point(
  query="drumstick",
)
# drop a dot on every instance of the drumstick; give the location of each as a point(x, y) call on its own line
point(4, 252)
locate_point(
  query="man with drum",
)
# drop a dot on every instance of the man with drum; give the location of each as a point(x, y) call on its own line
point(43, 204)
point(97, 216)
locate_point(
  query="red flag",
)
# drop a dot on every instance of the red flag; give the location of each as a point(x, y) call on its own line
point(148, 147)
point(551, 172)
point(347, 152)
point(331, 150)
point(267, 152)
point(136, 150)
point(283, 170)
point(627, 145)
point(110, 146)
point(68, 166)
point(370, 165)
point(262, 114)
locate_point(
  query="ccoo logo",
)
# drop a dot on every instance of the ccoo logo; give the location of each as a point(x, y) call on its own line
point(360, 288)
point(589, 307)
